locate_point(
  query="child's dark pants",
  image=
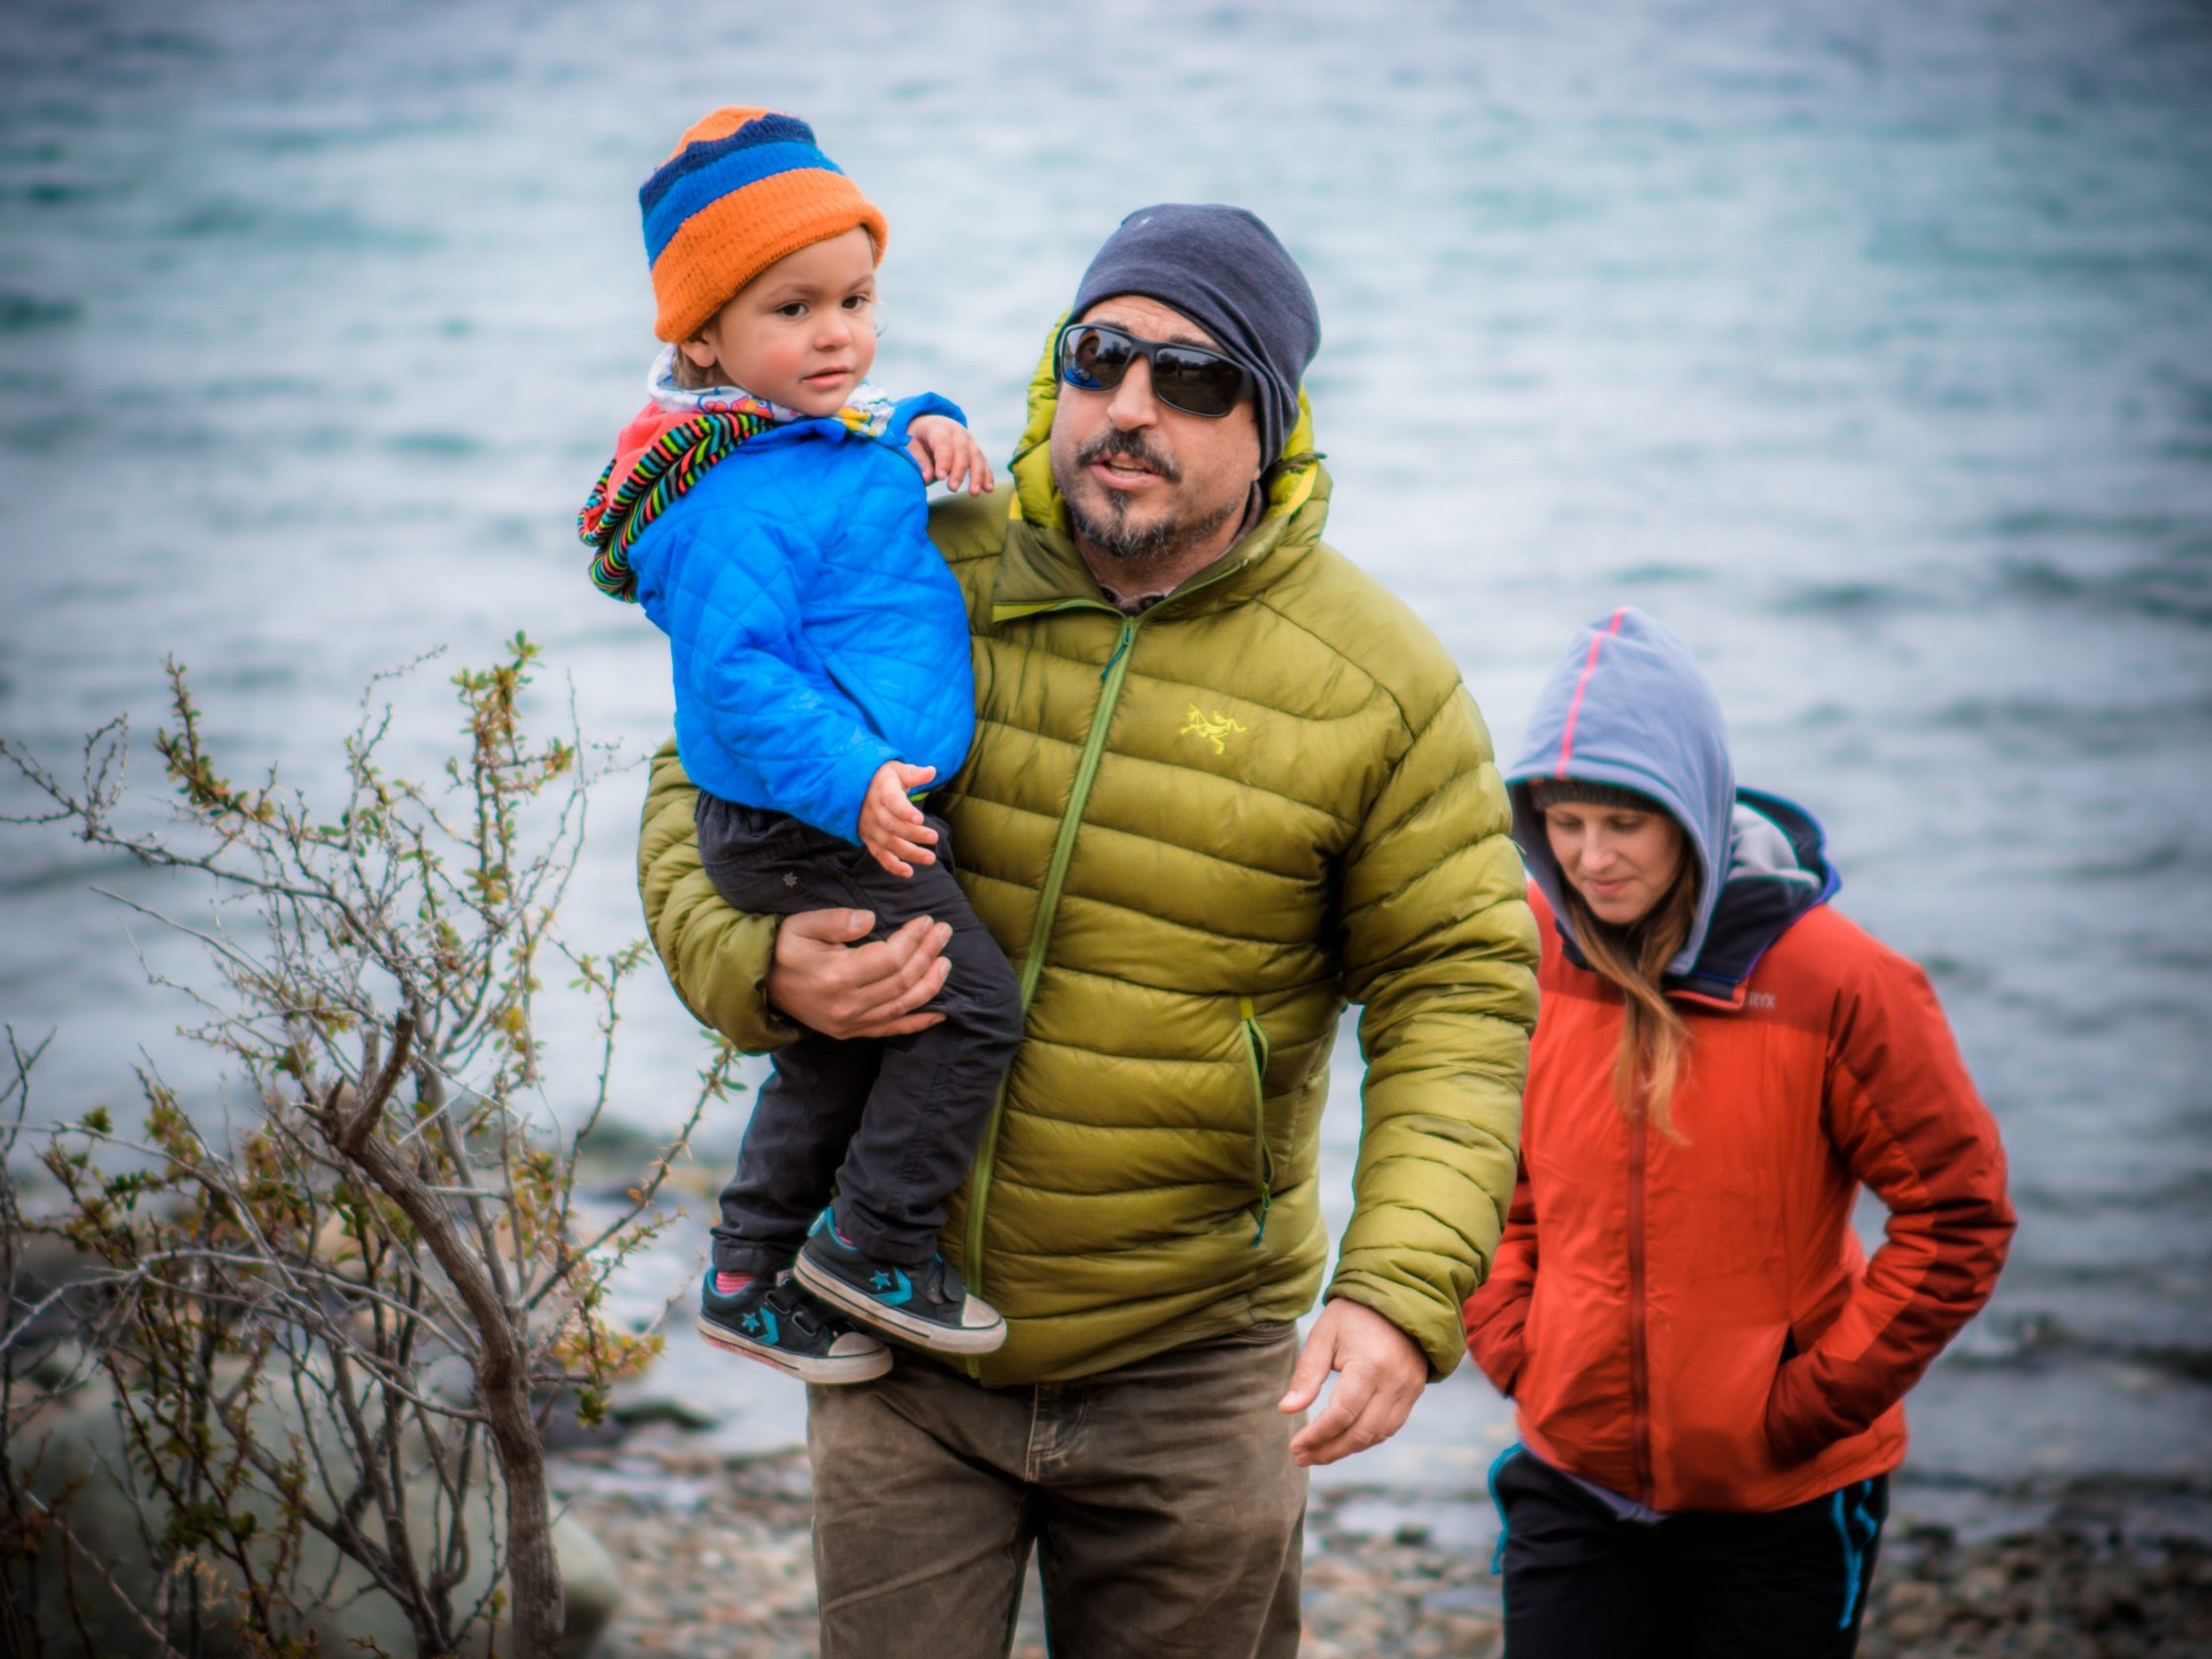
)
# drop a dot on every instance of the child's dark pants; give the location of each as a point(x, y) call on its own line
point(892, 1124)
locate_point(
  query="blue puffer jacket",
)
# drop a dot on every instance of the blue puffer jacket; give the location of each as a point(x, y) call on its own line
point(816, 632)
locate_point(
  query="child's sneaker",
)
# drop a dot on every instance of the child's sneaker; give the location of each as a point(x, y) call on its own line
point(773, 1320)
point(926, 1307)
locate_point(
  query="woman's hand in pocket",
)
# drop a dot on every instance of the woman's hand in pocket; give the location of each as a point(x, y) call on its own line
point(1799, 1425)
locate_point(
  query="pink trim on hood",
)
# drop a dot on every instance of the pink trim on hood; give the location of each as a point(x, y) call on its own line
point(1589, 667)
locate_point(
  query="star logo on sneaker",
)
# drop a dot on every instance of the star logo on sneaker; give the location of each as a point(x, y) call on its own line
point(882, 1280)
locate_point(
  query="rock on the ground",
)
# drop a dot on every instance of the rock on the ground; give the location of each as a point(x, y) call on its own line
point(2044, 1595)
point(70, 1456)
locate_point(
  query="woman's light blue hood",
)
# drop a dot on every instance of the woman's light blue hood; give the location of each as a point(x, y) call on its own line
point(1629, 706)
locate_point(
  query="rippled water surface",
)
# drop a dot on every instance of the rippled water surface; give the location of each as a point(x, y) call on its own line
point(1870, 345)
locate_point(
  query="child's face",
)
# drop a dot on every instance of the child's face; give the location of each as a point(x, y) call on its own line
point(802, 334)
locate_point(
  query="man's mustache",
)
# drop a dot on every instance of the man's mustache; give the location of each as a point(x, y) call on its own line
point(1129, 446)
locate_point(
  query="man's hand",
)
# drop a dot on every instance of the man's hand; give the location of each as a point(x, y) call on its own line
point(891, 824)
point(944, 448)
point(1383, 1373)
point(822, 980)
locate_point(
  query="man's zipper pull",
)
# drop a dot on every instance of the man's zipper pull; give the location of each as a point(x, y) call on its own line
point(1129, 632)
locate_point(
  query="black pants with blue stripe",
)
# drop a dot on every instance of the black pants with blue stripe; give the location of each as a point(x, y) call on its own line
point(1580, 1581)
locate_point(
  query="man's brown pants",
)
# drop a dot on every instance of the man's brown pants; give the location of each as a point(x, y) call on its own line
point(1167, 1514)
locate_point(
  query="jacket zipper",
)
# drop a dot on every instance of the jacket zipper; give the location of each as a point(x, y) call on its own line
point(1048, 901)
point(1639, 1363)
point(1040, 933)
point(1263, 1161)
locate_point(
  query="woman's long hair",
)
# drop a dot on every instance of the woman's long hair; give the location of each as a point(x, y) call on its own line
point(1635, 957)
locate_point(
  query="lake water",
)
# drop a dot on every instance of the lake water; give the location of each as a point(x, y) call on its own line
point(1869, 345)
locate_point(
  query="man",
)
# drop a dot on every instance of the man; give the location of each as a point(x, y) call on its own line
point(1223, 783)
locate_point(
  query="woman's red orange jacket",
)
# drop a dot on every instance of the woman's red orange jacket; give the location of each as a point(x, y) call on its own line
point(1692, 1322)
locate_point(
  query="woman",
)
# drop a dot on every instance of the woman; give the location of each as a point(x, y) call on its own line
point(1708, 1368)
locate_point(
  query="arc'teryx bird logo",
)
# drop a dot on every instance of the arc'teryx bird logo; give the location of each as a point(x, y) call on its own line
point(1216, 728)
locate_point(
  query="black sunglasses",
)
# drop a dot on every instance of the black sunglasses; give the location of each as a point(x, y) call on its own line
point(1094, 356)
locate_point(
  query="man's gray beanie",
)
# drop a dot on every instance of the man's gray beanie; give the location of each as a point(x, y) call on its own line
point(1224, 270)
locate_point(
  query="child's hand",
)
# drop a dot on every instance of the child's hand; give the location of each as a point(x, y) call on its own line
point(891, 825)
point(944, 448)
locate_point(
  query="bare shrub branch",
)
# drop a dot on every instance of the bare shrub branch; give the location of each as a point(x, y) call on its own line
point(344, 1318)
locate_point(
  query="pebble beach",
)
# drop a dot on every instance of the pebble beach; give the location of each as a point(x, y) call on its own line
point(714, 1556)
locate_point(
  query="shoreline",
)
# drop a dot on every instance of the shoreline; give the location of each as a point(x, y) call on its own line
point(714, 1557)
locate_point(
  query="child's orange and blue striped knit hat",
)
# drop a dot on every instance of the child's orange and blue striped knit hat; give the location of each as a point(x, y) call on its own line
point(743, 189)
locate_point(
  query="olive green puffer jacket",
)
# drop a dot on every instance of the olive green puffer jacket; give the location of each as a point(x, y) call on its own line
point(1197, 833)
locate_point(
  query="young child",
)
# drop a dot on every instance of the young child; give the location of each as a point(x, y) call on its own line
point(765, 511)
